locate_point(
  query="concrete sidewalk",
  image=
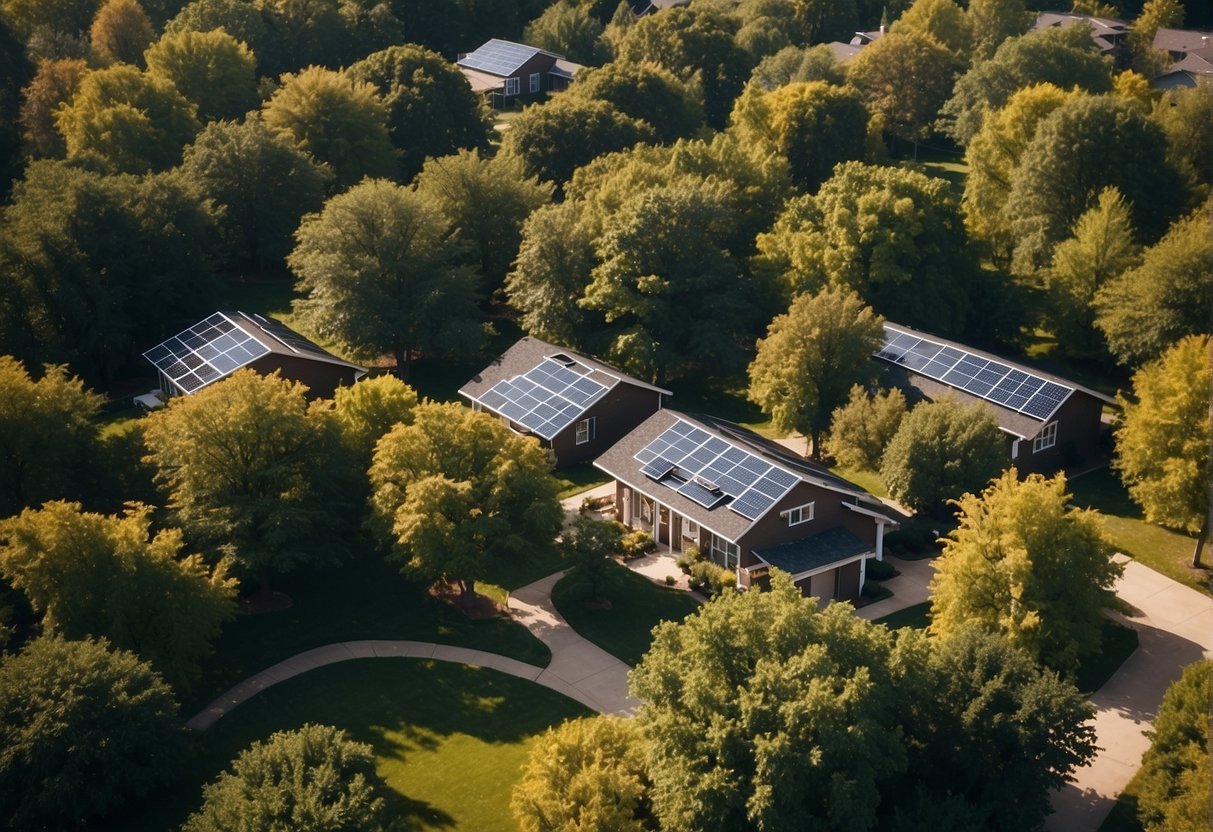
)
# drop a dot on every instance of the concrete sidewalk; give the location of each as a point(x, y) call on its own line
point(909, 588)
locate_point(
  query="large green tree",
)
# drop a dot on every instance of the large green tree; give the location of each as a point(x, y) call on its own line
point(83, 729)
point(799, 64)
point(1168, 296)
point(942, 450)
point(904, 79)
point(862, 428)
point(214, 71)
point(1026, 564)
point(648, 92)
point(555, 258)
point(120, 33)
point(1164, 438)
point(378, 268)
point(366, 411)
point(993, 21)
point(241, 461)
point(1183, 115)
point(313, 779)
point(811, 357)
point(942, 20)
point(55, 82)
point(165, 607)
point(239, 18)
point(569, 29)
point(456, 490)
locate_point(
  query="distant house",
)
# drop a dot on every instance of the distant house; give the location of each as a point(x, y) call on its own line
point(1049, 422)
point(843, 52)
point(643, 7)
point(1105, 31)
point(214, 348)
point(746, 502)
point(1179, 43)
point(576, 405)
point(505, 71)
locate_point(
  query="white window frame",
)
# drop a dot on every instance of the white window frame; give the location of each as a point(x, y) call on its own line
point(535, 83)
point(690, 529)
point(800, 514)
point(1046, 439)
point(586, 429)
point(511, 86)
point(725, 553)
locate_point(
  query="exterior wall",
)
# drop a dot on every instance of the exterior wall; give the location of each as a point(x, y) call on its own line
point(538, 64)
point(828, 513)
point(841, 584)
point(615, 415)
point(321, 378)
point(1078, 435)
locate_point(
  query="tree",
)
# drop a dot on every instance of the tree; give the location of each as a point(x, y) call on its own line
point(799, 64)
point(313, 779)
point(54, 83)
point(369, 409)
point(47, 434)
point(893, 235)
point(378, 270)
point(311, 34)
point(693, 42)
point(488, 199)
point(129, 121)
point(822, 21)
point(25, 17)
point(588, 546)
point(1064, 57)
point(813, 125)
point(341, 122)
point(762, 713)
point(1164, 437)
point(1101, 249)
point(993, 21)
point(554, 262)
point(240, 460)
point(811, 357)
point(82, 729)
point(862, 428)
point(165, 607)
point(1154, 15)
point(431, 110)
point(1105, 142)
point(941, 450)
point(585, 774)
point(647, 92)
point(120, 32)
point(1168, 296)
point(214, 71)
point(239, 18)
point(1173, 792)
point(570, 30)
point(262, 184)
point(942, 20)
point(905, 78)
point(1181, 113)
point(456, 491)
point(556, 138)
point(1024, 563)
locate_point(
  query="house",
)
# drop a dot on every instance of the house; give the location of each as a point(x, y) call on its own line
point(862, 39)
point(1179, 43)
point(746, 502)
point(576, 405)
point(642, 7)
point(843, 52)
point(1049, 422)
point(216, 347)
point(1194, 70)
point(507, 72)
point(1107, 33)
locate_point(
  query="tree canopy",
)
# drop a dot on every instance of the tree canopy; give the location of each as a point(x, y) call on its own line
point(120, 33)
point(905, 78)
point(862, 428)
point(55, 82)
point(648, 92)
point(554, 262)
point(571, 30)
point(214, 71)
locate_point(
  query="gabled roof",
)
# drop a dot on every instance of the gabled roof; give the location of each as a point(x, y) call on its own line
point(1181, 40)
point(545, 387)
point(1024, 399)
point(501, 57)
point(217, 346)
point(1100, 26)
point(816, 553)
point(843, 52)
point(714, 472)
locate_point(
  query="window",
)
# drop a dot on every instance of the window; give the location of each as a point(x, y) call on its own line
point(690, 529)
point(800, 514)
point(585, 430)
point(724, 552)
point(534, 82)
point(1047, 438)
point(511, 86)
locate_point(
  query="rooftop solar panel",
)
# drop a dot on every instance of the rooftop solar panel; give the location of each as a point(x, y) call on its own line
point(991, 380)
point(546, 399)
point(499, 57)
point(206, 352)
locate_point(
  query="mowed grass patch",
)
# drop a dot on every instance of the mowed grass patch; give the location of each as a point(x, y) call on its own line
point(637, 605)
point(578, 478)
point(1163, 550)
point(868, 480)
point(449, 739)
point(916, 617)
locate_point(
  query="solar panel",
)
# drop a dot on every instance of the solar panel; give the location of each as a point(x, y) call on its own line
point(287, 336)
point(982, 377)
point(546, 399)
point(206, 352)
point(499, 57)
point(689, 460)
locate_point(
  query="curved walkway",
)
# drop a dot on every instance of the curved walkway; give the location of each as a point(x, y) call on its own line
point(579, 669)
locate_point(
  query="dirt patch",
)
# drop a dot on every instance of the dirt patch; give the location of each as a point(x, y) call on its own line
point(262, 602)
point(482, 606)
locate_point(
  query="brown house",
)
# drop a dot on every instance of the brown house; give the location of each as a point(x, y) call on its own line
point(505, 71)
point(216, 347)
point(746, 502)
point(1049, 422)
point(576, 405)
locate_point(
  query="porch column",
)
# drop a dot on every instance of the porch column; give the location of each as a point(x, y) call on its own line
point(879, 549)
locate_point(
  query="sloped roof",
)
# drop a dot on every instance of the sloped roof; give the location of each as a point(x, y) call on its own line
point(1181, 40)
point(817, 552)
point(501, 57)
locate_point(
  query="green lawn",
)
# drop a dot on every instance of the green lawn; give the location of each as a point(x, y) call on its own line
point(699, 394)
point(1117, 643)
point(363, 598)
point(867, 480)
point(637, 606)
point(916, 617)
point(449, 739)
point(578, 478)
point(1161, 549)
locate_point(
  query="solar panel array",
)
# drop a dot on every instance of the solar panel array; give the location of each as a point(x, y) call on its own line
point(204, 353)
point(991, 380)
point(708, 470)
point(498, 57)
point(293, 340)
point(546, 399)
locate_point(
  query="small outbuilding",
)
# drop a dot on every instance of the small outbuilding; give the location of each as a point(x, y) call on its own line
point(218, 346)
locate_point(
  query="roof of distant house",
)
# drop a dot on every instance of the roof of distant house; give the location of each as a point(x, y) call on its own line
point(503, 58)
point(1182, 40)
point(844, 52)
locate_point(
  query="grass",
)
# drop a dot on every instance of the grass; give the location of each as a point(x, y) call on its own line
point(578, 478)
point(868, 480)
point(1160, 549)
point(449, 739)
point(637, 606)
point(1117, 643)
point(699, 394)
point(363, 598)
point(916, 617)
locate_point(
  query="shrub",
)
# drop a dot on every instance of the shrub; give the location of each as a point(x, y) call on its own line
point(670, 580)
point(692, 554)
point(876, 591)
point(881, 570)
point(714, 579)
point(683, 564)
point(637, 543)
